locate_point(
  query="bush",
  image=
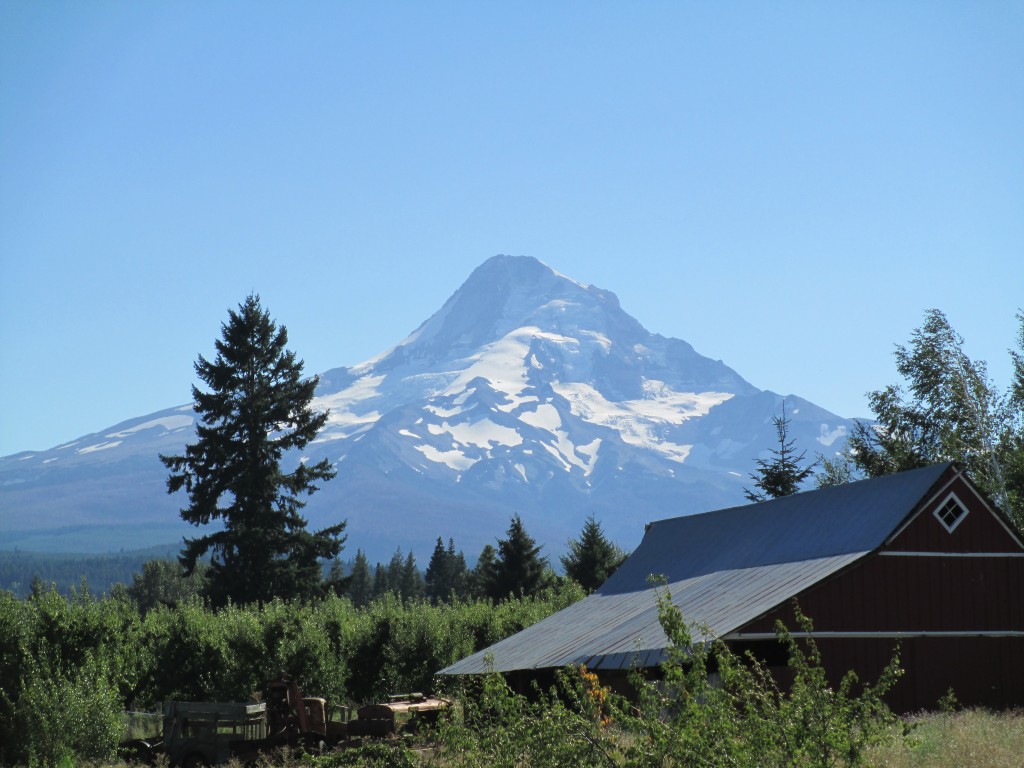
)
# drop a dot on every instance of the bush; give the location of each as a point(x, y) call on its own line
point(60, 717)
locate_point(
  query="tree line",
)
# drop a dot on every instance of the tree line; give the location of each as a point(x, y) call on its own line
point(945, 408)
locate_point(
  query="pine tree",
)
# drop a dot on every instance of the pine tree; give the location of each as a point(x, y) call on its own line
point(446, 573)
point(483, 575)
point(783, 474)
point(438, 580)
point(592, 558)
point(381, 584)
point(396, 571)
point(258, 407)
point(519, 570)
point(457, 571)
point(412, 579)
point(360, 586)
point(336, 582)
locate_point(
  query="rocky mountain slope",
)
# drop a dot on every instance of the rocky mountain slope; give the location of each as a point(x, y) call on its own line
point(526, 392)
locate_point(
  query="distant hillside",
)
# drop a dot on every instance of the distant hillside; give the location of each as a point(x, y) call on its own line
point(18, 570)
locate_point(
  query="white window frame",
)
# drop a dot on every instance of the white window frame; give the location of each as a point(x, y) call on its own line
point(960, 518)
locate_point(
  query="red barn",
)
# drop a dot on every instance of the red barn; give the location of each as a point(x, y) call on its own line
point(918, 558)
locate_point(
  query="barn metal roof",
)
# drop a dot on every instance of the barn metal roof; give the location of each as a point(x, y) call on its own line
point(722, 569)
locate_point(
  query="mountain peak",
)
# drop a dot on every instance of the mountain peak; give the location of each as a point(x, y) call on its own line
point(527, 390)
point(501, 295)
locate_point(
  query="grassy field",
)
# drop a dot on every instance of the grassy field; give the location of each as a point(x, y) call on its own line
point(975, 738)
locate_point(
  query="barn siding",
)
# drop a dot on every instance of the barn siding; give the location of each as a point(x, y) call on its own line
point(982, 671)
point(980, 531)
point(905, 593)
point(908, 593)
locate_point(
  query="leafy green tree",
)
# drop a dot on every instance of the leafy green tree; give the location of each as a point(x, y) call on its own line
point(519, 570)
point(258, 407)
point(947, 410)
point(592, 558)
point(360, 586)
point(785, 471)
point(162, 582)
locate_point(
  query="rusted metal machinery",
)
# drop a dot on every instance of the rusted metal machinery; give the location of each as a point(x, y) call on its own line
point(407, 711)
point(210, 733)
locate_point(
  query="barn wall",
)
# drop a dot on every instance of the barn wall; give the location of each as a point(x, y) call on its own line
point(982, 671)
point(913, 594)
point(980, 531)
point(926, 580)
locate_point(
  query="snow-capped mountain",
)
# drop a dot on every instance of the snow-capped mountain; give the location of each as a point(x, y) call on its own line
point(527, 392)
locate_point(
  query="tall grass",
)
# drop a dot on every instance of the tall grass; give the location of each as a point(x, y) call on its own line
point(975, 737)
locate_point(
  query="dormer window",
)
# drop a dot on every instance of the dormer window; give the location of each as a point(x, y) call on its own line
point(951, 513)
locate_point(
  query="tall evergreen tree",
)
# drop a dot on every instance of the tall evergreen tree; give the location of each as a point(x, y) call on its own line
point(592, 558)
point(446, 573)
point(360, 586)
point(457, 570)
point(438, 578)
point(336, 582)
point(482, 576)
point(519, 570)
point(412, 579)
point(381, 584)
point(257, 407)
point(784, 472)
point(396, 572)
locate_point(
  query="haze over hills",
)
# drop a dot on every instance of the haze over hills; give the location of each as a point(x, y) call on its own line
point(527, 392)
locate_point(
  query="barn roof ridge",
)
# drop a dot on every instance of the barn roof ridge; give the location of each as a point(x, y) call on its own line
point(722, 568)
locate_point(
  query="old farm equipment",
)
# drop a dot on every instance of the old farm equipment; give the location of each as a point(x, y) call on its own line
point(210, 733)
point(405, 712)
point(199, 733)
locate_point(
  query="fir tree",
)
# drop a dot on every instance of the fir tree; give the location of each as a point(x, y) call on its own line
point(519, 570)
point(360, 586)
point(396, 571)
point(412, 579)
point(483, 574)
point(592, 558)
point(381, 585)
point(783, 474)
point(438, 579)
point(257, 408)
point(458, 572)
point(446, 573)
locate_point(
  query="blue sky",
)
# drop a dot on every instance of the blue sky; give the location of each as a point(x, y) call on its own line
point(787, 186)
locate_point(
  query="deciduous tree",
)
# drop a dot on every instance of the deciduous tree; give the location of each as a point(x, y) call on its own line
point(947, 409)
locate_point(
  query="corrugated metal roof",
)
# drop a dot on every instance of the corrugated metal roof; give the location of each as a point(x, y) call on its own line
point(723, 569)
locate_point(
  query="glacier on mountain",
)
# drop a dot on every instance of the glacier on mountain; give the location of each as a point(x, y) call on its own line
point(527, 392)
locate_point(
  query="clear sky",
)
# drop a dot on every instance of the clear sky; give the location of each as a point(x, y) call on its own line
point(787, 186)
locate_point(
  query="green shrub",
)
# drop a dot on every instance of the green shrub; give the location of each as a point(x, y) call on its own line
point(60, 717)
